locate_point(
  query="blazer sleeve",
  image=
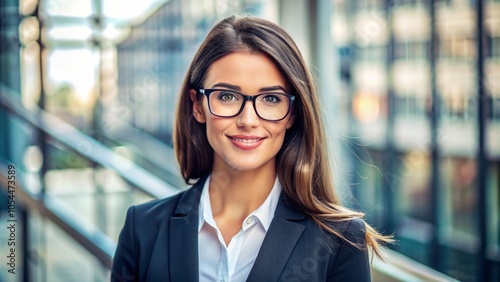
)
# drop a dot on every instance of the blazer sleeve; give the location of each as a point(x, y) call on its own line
point(352, 263)
point(125, 259)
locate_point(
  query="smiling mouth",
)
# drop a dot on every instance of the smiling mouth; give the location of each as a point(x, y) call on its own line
point(245, 140)
point(246, 143)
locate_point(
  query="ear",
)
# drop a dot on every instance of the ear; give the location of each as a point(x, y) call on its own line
point(290, 121)
point(198, 113)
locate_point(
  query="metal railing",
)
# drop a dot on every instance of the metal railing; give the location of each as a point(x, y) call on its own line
point(85, 145)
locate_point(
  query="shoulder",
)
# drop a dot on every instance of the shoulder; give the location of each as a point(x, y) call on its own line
point(353, 229)
point(350, 261)
point(157, 210)
point(323, 255)
point(335, 236)
point(158, 205)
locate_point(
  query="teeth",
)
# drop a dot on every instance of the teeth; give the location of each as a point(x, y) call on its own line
point(248, 141)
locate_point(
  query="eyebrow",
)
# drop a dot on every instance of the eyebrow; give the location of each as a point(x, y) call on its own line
point(237, 88)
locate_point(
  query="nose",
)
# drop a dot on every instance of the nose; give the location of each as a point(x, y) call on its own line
point(248, 117)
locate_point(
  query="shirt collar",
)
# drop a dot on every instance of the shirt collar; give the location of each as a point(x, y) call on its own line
point(264, 213)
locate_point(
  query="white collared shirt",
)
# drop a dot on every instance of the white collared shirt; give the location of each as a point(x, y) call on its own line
point(219, 262)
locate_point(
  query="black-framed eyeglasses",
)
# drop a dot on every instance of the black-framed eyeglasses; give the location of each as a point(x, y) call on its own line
point(270, 106)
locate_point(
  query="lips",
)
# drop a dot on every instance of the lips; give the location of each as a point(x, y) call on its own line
point(246, 142)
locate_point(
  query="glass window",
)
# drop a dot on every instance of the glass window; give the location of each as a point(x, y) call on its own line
point(458, 108)
point(458, 48)
point(459, 212)
point(459, 189)
point(414, 193)
point(367, 5)
point(493, 47)
point(369, 182)
point(410, 50)
point(411, 105)
point(494, 205)
point(372, 53)
point(57, 257)
point(494, 109)
point(69, 85)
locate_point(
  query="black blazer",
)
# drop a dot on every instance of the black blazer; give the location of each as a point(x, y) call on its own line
point(159, 242)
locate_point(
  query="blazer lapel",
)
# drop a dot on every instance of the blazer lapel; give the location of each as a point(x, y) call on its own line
point(183, 237)
point(278, 244)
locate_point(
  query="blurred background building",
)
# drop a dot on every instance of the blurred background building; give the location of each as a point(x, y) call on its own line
point(411, 95)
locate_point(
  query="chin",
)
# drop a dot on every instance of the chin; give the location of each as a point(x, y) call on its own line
point(243, 166)
point(243, 162)
point(247, 164)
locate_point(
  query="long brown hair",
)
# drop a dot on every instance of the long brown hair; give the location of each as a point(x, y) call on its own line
point(303, 165)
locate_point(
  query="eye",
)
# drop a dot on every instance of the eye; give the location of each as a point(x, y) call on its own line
point(226, 96)
point(272, 98)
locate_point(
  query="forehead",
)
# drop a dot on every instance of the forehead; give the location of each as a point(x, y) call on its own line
point(248, 70)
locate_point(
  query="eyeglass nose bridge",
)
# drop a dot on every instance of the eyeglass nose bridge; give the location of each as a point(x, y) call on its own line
point(248, 98)
point(243, 104)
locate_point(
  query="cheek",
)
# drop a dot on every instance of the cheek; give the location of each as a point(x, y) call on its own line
point(278, 132)
point(215, 128)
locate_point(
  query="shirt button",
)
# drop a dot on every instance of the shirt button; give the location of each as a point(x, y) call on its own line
point(249, 220)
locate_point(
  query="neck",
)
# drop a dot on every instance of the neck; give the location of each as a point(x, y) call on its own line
point(240, 192)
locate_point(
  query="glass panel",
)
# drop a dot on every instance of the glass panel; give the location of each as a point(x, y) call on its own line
point(459, 264)
point(414, 192)
point(494, 218)
point(457, 136)
point(112, 200)
point(491, 83)
point(459, 190)
point(459, 210)
point(57, 257)
point(456, 79)
point(30, 76)
point(97, 195)
point(412, 205)
point(367, 180)
point(493, 193)
point(459, 213)
point(70, 85)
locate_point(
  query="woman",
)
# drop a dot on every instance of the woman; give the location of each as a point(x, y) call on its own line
point(262, 208)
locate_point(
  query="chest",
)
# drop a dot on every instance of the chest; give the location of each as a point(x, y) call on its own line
point(229, 260)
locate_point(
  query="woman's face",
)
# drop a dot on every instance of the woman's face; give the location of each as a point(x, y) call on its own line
point(245, 142)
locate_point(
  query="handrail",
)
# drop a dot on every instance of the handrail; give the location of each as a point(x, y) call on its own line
point(397, 267)
point(86, 146)
point(160, 155)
